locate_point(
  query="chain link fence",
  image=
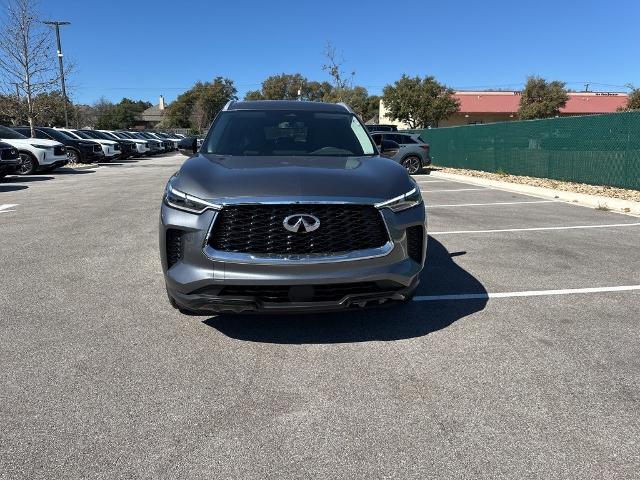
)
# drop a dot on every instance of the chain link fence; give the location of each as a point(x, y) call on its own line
point(597, 149)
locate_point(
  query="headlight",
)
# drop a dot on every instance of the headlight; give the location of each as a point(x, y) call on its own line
point(44, 147)
point(182, 201)
point(402, 202)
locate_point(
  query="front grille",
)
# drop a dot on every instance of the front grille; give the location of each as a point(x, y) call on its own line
point(97, 148)
point(59, 150)
point(9, 154)
point(259, 229)
point(116, 147)
point(174, 246)
point(303, 293)
point(415, 242)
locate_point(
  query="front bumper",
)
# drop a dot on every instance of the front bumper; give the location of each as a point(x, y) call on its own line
point(195, 280)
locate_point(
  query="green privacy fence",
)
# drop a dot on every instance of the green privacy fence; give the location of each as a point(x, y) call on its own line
point(597, 149)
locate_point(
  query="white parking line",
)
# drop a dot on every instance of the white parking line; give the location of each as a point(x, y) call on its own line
point(455, 190)
point(494, 203)
point(531, 293)
point(536, 229)
point(432, 181)
point(7, 207)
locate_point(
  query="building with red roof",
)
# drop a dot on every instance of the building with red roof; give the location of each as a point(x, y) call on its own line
point(489, 107)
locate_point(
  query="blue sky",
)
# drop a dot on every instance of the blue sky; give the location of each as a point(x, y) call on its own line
point(144, 48)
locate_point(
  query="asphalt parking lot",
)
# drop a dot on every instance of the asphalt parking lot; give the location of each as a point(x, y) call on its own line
point(520, 357)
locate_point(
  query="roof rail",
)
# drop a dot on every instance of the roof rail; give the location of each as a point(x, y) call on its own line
point(227, 105)
point(347, 108)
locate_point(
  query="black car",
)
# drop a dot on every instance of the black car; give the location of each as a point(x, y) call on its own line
point(78, 150)
point(127, 147)
point(9, 159)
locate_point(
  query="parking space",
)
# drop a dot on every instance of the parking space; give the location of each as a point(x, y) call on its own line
point(514, 371)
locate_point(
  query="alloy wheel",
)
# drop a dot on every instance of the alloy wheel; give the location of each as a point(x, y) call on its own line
point(73, 157)
point(26, 166)
point(412, 164)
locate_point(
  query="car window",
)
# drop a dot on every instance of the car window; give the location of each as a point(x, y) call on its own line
point(41, 134)
point(287, 133)
point(10, 134)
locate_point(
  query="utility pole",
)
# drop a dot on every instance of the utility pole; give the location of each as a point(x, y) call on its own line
point(57, 24)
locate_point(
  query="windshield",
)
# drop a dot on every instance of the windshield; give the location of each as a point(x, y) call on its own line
point(57, 134)
point(11, 134)
point(109, 135)
point(80, 134)
point(90, 134)
point(287, 133)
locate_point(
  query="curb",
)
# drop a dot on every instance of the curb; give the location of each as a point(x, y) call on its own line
point(627, 207)
point(82, 167)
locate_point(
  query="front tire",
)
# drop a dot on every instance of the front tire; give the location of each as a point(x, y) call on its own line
point(73, 156)
point(28, 164)
point(412, 164)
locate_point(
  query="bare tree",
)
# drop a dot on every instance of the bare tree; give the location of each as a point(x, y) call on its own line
point(26, 55)
point(341, 79)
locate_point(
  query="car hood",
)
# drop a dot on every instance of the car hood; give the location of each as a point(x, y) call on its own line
point(365, 179)
point(31, 141)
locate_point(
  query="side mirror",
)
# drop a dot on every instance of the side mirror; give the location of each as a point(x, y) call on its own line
point(188, 146)
point(389, 146)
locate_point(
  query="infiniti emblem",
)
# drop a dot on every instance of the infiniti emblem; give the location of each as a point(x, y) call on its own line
point(301, 223)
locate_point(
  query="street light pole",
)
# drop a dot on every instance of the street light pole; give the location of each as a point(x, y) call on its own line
point(64, 90)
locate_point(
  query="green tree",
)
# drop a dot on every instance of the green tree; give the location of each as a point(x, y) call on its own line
point(358, 99)
point(286, 86)
point(419, 102)
point(542, 99)
point(198, 106)
point(49, 109)
point(633, 102)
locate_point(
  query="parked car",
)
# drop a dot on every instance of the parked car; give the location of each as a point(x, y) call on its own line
point(412, 153)
point(165, 145)
point(141, 144)
point(78, 150)
point(110, 148)
point(127, 147)
point(155, 145)
point(141, 147)
point(295, 202)
point(36, 154)
point(9, 159)
point(172, 138)
point(382, 128)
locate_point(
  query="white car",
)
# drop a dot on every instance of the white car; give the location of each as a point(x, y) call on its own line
point(35, 153)
point(110, 148)
point(141, 145)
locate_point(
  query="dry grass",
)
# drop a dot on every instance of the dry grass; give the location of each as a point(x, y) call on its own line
point(604, 191)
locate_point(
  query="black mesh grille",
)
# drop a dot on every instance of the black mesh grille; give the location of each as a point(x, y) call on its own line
point(306, 293)
point(59, 150)
point(174, 246)
point(259, 229)
point(97, 148)
point(9, 154)
point(415, 241)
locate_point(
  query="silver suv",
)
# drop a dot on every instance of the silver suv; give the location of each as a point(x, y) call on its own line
point(288, 206)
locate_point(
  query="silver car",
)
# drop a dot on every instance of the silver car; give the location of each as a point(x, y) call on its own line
point(412, 153)
point(288, 206)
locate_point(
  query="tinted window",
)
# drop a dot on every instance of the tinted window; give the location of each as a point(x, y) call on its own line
point(287, 133)
point(57, 135)
point(406, 139)
point(10, 134)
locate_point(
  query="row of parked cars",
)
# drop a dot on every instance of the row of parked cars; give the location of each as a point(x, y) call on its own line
point(52, 148)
